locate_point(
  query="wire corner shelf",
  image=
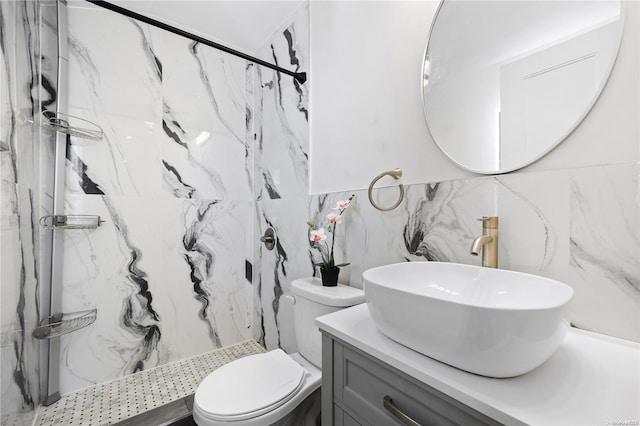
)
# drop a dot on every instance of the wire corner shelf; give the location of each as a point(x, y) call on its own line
point(59, 324)
point(78, 221)
point(72, 125)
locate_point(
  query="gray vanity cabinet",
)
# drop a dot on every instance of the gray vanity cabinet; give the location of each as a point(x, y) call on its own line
point(355, 386)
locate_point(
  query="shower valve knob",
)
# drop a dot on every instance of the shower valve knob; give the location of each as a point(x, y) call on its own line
point(269, 238)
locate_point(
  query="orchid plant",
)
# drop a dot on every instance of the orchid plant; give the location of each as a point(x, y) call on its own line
point(317, 236)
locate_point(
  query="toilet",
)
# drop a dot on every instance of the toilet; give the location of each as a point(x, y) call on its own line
point(265, 388)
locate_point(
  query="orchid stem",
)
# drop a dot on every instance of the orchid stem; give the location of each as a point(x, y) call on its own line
point(333, 240)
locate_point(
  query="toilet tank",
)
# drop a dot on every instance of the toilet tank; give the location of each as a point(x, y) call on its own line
point(312, 300)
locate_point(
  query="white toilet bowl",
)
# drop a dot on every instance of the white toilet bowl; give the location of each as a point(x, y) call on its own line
point(255, 391)
point(262, 389)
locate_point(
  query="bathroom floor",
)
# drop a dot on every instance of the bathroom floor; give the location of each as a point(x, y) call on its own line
point(160, 395)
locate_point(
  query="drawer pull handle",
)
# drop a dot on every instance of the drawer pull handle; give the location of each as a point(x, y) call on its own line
point(397, 413)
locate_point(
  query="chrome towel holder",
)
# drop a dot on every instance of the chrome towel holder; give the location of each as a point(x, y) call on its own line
point(396, 174)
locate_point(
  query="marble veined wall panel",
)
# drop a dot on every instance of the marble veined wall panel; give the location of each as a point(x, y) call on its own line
point(19, 207)
point(115, 81)
point(173, 180)
point(278, 127)
point(578, 226)
point(114, 65)
point(166, 286)
point(125, 162)
point(581, 227)
point(204, 123)
point(604, 249)
point(293, 257)
point(282, 142)
point(534, 223)
point(433, 222)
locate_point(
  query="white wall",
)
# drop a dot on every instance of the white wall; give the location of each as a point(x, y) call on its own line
point(365, 105)
point(366, 111)
point(611, 131)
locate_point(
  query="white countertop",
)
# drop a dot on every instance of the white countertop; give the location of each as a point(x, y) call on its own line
point(592, 379)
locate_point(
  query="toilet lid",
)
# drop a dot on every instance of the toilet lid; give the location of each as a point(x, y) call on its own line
point(250, 386)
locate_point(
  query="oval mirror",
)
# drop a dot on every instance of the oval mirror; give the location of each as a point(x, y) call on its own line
point(504, 82)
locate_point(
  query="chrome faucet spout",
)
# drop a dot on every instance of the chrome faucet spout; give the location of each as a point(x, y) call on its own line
point(476, 246)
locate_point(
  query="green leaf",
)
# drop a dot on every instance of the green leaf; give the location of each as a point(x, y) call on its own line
point(310, 224)
point(343, 264)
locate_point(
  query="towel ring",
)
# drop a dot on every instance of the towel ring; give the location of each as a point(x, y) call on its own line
point(396, 174)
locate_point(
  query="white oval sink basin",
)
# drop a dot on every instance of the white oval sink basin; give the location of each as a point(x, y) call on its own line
point(492, 322)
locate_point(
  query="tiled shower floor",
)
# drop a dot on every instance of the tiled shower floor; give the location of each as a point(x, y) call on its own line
point(119, 399)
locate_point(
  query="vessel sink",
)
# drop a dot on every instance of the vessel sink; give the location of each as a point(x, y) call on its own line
point(491, 322)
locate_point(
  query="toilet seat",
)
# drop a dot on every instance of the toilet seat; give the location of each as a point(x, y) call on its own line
point(249, 387)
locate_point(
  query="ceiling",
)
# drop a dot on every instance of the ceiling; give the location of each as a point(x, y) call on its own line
point(244, 25)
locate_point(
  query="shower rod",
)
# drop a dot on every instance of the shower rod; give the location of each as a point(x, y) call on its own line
point(300, 77)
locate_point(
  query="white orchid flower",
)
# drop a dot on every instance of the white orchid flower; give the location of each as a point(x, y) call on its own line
point(317, 235)
point(342, 204)
point(334, 218)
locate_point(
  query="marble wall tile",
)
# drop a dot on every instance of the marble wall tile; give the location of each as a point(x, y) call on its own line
point(534, 223)
point(282, 151)
point(122, 94)
point(214, 243)
point(294, 256)
point(432, 223)
point(125, 162)
point(166, 286)
point(290, 259)
point(173, 179)
point(449, 213)
point(108, 268)
point(205, 151)
point(277, 127)
point(352, 241)
point(604, 267)
point(580, 226)
point(114, 66)
point(19, 204)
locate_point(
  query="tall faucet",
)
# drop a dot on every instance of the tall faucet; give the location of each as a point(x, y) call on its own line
point(487, 242)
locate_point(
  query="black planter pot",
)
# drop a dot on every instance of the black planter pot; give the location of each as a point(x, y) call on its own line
point(330, 276)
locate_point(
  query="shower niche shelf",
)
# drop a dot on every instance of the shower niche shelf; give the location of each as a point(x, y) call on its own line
point(79, 221)
point(59, 324)
point(72, 126)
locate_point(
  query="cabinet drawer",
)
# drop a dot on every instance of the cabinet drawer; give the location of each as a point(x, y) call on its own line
point(363, 384)
point(340, 418)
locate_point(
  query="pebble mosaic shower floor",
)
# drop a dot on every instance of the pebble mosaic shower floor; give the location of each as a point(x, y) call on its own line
point(119, 399)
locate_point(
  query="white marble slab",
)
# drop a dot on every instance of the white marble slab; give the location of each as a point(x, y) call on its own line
point(113, 65)
point(172, 178)
point(20, 174)
point(605, 249)
point(204, 149)
point(534, 223)
point(278, 128)
point(166, 286)
point(282, 149)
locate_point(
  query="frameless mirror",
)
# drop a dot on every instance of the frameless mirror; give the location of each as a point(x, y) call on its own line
point(504, 82)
